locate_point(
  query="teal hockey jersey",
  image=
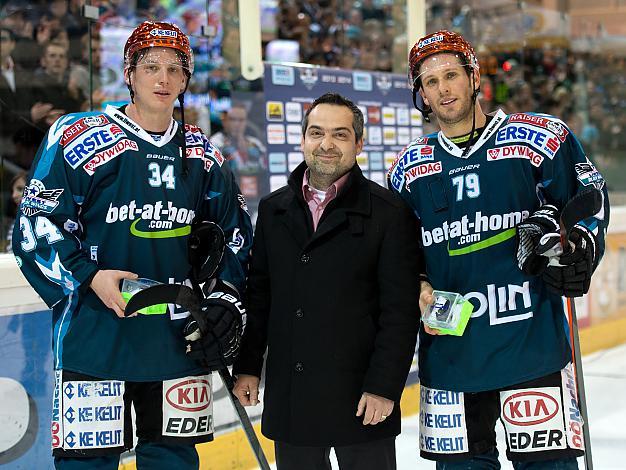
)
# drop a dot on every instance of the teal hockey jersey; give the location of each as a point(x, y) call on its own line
point(105, 194)
point(468, 207)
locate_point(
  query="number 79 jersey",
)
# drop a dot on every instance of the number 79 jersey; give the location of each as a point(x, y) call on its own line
point(106, 195)
point(468, 208)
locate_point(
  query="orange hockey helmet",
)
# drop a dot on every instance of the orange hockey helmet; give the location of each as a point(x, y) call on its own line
point(435, 43)
point(159, 34)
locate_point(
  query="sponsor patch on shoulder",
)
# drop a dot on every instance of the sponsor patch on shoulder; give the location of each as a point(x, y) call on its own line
point(93, 139)
point(81, 126)
point(420, 171)
point(553, 126)
point(515, 151)
point(109, 154)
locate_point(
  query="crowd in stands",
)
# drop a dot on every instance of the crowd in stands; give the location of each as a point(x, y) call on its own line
point(46, 46)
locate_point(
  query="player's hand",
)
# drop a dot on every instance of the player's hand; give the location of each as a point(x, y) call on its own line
point(571, 275)
point(535, 236)
point(40, 110)
point(106, 284)
point(246, 389)
point(373, 408)
point(426, 298)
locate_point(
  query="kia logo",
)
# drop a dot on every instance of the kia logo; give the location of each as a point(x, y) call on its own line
point(529, 408)
point(190, 395)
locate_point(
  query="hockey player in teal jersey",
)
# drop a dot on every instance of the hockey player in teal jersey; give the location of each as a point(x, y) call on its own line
point(114, 195)
point(488, 191)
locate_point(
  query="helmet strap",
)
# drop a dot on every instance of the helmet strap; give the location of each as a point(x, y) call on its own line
point(426, 111)
point(130, 89)
point(470, 142)
point(181, 101)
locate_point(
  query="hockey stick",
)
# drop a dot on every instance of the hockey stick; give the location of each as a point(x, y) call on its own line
point(186, 298)
point(580, 207)
point(583, 205)
point(205, 250)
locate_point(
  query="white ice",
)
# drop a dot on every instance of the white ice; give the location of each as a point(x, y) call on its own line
point(605, 385)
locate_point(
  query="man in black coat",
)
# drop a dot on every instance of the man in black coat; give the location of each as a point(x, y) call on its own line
point(333, 296)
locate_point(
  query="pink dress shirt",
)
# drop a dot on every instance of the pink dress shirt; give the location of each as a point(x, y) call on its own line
point(313, 199)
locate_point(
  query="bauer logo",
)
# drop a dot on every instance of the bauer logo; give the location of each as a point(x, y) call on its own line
point(189, 395)
point(529, 408)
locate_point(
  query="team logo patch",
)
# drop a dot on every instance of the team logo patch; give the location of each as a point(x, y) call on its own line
point(187, 407)
point(81, 126)
point(515, 151)
point(533, 419)
point(588, 175)
point(39, 199)
point(84, 146)
point(109, 154)
point(555, 127)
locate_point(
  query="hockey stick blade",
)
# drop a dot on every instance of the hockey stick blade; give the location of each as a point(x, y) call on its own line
point(164, 294)
point(582, 206)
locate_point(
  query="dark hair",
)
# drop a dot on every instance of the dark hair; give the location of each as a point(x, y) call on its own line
point(337, 100)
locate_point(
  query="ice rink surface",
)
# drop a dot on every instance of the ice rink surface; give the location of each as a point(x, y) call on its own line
point(605, 384)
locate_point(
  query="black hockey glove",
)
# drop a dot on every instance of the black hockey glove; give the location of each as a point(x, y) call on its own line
point(571, 276)
point(535, 235)
point(214, 339)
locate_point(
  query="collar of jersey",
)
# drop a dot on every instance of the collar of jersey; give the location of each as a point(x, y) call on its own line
point(127, 123)
point(456, 151)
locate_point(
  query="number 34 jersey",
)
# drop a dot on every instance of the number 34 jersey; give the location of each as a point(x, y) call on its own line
point(105, 194)
point(468, 207)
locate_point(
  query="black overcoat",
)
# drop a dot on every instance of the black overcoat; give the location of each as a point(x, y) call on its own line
point(336, 308)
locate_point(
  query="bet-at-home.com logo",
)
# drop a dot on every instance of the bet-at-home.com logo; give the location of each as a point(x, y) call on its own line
point(466, 235)
point(153, 220)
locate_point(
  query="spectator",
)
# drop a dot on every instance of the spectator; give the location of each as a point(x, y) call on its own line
point(16, 96)
point(53, 86)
